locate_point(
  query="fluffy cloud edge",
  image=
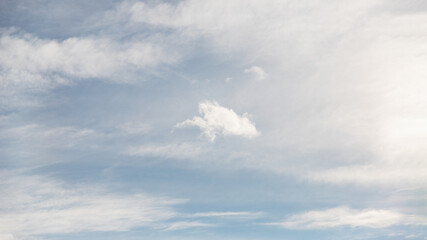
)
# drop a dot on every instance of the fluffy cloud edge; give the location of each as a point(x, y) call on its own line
point(218, 120)
point(257, 72)
point(32, 65)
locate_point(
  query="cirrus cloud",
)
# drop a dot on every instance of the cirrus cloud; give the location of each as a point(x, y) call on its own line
point(178, 151)
point(38, 205)
point(345, 216)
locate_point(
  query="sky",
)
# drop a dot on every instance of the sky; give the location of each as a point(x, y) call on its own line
point(213, 119)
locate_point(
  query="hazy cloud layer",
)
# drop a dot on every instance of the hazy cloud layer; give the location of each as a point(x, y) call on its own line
point(180, 151)
point(358, 94)
point(236, 215)
point(257, 72)
point(344, 216)
point(337, 90)
point(33, 205)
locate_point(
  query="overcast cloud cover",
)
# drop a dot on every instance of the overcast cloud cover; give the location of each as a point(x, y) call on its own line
point(202, 119)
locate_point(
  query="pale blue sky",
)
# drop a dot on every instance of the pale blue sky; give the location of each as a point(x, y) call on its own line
point(213, 120)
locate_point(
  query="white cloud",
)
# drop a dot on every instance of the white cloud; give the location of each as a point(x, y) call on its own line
point(217, 120)
point(134, 128)
point(234, 215)
point(180, 151)
point(7, 236)
point(356, 96)
point(344, 216)
point(399, 150)
point(186, 224)
point(355, 84)
point(42, 136)
point(347, 85)
point(257, 72)
point(383, 174)
point(27, 58)
point(231, 25)
point(32, 65)
point(36, 130)
point(33, 205)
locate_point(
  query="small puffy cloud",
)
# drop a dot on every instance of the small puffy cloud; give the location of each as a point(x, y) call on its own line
point(257, 72)
point(217, 120)
point(345, 216)
point(179, 151)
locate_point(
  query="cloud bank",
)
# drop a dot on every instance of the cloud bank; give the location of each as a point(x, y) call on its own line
point(29, 64)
